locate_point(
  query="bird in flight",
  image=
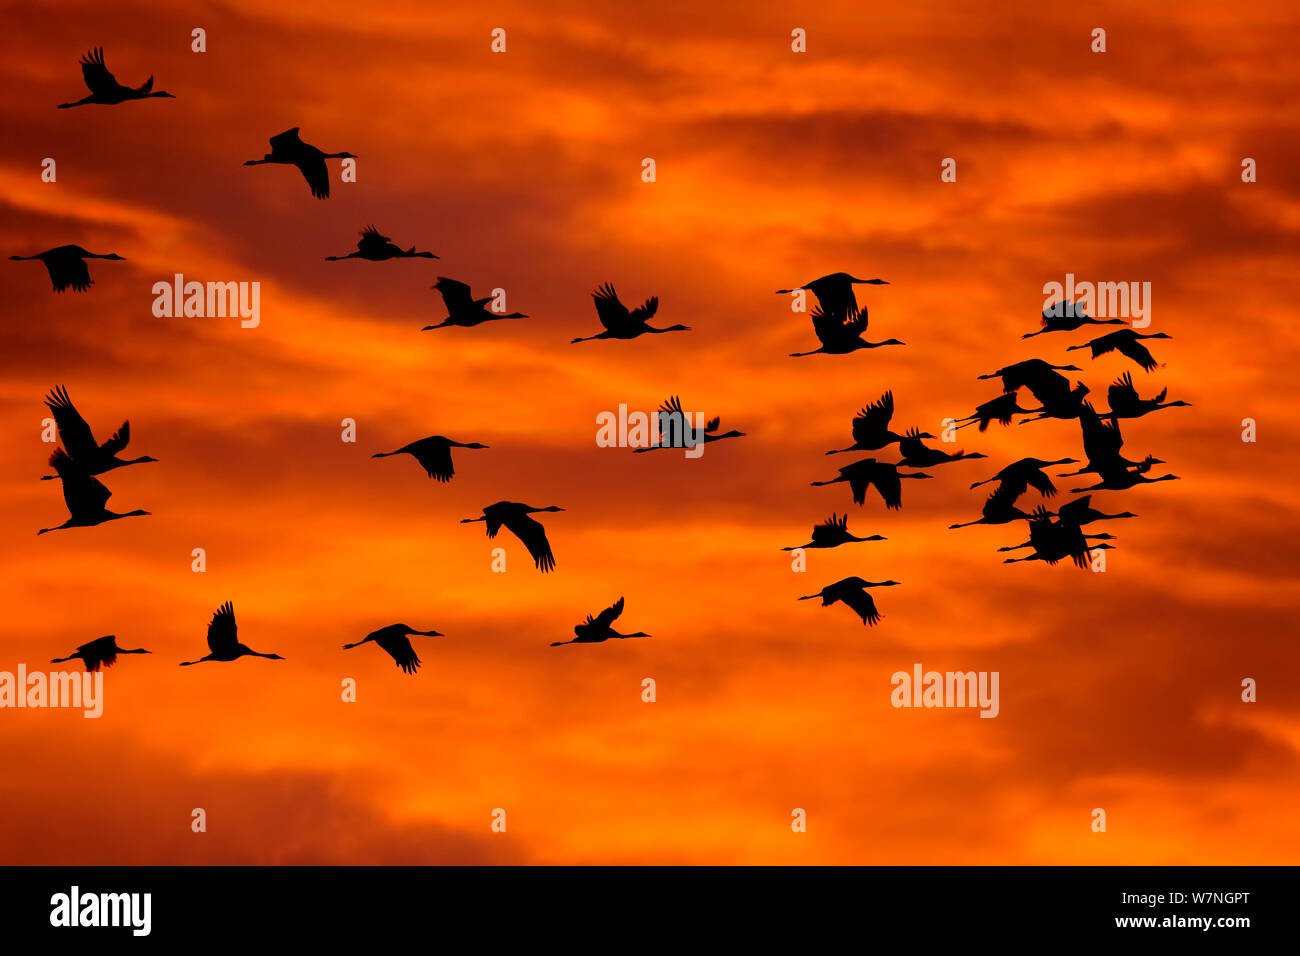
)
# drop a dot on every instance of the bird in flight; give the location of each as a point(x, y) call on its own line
point(675, 430)
point(288, 150)
point(598, 629)
point(916, 454)
point(1101, 444)
point(377, 248)
point(463, 309)
point(1126, 342)
point(1054, 541)
point(1080, 511)
point(868, 472)
point(1034, 373)
point(101, 652)
point(832, 533)
point(1125, 403)
point(79, 442)
point(834, 294)
point(619, 323)
point(433, 454)
point(223, 643)
point(1016, 478)
point(396, 640)
point(84, 495)
point(852, 592)
point(516, 518)
point(67, 266)
point(840, 336)
point(1071, 317)
point(999, 508)
point(871, 427)
point(1121, 478)
point(105, 89)
point(1000, 410)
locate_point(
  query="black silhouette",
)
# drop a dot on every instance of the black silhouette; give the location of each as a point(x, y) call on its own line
point(222, 640)
point(834, 294)
point(288, 150)
point(104, 88)
point(840, 336)
point(1101, 444)
point(79, 442)
point(433, 453)
point(676, 432)
point(1123, 478)
point(515, 516)
point(67, 266)
point(1057, 403)
point(377, 248)
point(597, 629)
point(463, 309)
point(101, 652)
point(1125, 403)
point(394, 639)
point(1054, 541)
point(832, 533)
point(1034, 373)
point(1016, 478)
point(1127, 342)
point(1000, 410)
point(619, 323)
point(1072, 317)
point(999, 508)
point(1080, 512)
point(916, 454)
point(852, 592)
point(868, 472)
point(84, 495)
point(871, 427)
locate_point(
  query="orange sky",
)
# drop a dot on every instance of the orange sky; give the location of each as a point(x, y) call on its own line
point(1119, 690)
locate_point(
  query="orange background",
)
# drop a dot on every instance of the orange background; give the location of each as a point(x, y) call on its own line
point(1118, 690)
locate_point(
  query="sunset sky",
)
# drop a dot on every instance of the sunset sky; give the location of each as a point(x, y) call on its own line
point(522, 171)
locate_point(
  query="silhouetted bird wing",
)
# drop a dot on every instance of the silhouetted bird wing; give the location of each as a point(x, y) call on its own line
point(223, 634)
point(1137, 352)
point(1040, 480)
point(830, 531)
point(1122, 395)
point(887, 482)
point(608, 616)
point(455, 295)
point(73, 430)
point(862, 602)
point(121, 438)
point(399, 648)
point(1048, 386)
point(613, 314)
point(68, 270)
point(435, 456)
point(316, 173)
point(533, 536)
point(98, 79)
point(874, 418)
point(645, 310)
point(287, 142)
point(83, 494)
point(101, 652)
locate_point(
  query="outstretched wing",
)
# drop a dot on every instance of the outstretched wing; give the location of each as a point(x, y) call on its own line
point(223, 634)
point(73, 430)
point(101, 652)
point(455, 295)
point(1040, 480)
point(399, 648)
point(862, 602)
point(1137, 352)
point(608, 616)
point(1122, 394)
point(68, 271)
point(533, 536)
point(121, 438)
point(98, 79)
point(435, 456)
point(82, 494)
point(874, 417)
point(316, 173)
point(885, 478)
point(613, 313)
point(646, 309)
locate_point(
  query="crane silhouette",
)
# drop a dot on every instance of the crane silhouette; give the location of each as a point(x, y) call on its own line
point(1030, 372)
point(1101, 444)
point(597, 629)
point(396, 640)
point(1125, 403)
point(1054, 541)
point(101, 652)
point(433, 454)
point(999, 508)
point(377, 248)
point(852, 592)
point(1121, 478)
point(104, 88)
point(67, 266)
point(1060, 404)
point(463, 309)
point(832, 533)
point(1072, 317)
point(871, 426)
point(1080, 512)
point(834, 294)
point(619, 323)
point(79, 442)
point(515, 516)
point(1016, 478)
point(840, 336)
point(1126, 342)
point(867, 473)
point(1000, 410)
point(674, 430)
point(84, 495)
point(916, 454)
point(287, 149)
point(223, 643)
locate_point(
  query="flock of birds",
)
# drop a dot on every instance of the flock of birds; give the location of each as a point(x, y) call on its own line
point(839, 325)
